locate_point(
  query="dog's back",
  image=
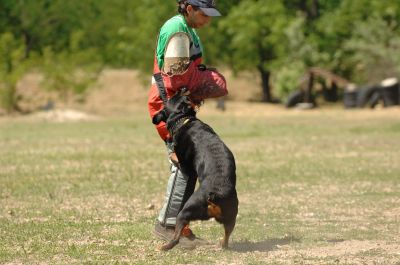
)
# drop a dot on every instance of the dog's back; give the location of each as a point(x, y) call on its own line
point(203, 154)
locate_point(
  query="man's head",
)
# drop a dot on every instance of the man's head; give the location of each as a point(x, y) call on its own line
point(198, 13)
point(209, 7)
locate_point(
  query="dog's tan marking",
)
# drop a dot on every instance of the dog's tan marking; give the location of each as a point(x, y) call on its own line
point(213, 210)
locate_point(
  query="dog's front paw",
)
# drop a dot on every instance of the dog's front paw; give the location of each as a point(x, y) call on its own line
point(169, 245)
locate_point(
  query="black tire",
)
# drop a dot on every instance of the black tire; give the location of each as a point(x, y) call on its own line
point(294, 98)
point(330, 95)
point(364, 95)
point(350, 99)
point(297, 97)
point(375, 98)
point(390, 95)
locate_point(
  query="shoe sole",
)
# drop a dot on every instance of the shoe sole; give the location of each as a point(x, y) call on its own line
point(162, 236)
point(185, 242)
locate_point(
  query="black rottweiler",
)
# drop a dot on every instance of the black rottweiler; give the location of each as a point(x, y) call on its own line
point(201, 154)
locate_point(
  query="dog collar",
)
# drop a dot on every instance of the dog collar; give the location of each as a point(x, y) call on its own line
point(180, 124)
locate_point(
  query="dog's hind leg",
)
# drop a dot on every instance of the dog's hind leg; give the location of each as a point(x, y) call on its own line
point(228, 227)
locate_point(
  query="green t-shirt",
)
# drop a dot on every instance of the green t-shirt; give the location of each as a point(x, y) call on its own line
point(172, 26)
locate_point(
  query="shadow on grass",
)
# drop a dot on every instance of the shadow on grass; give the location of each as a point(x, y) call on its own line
point(263, 246)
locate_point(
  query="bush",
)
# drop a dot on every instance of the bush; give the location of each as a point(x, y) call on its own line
point(287, 78)
point(12, 67)
point(71, 72)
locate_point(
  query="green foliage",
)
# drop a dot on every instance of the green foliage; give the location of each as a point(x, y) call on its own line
point(375, 46)
point(341, 27)
point(68, 74)
point(11, 70)
point(140, 41)
point(216, 39)
point(256, 32)
point(355, 39)
point(71, 72)
point(289, 70)
point(286, 78)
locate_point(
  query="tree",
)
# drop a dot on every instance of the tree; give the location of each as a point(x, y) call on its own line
point(11, 70)
point(256, 33)
point(375, 45)
point(346, 28)
point(132, 43)
point(215, 38)
point(33, 21)
point(72, 71)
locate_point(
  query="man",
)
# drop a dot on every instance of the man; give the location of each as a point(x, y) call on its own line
point(178, 61)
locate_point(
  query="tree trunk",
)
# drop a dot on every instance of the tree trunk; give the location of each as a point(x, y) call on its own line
point(265, 84)
point(265, 56)
point(312, 10)
point(310, 84)
point(28, 43)
point(303, 5)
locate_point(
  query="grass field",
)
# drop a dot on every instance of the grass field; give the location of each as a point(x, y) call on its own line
point(315, 187)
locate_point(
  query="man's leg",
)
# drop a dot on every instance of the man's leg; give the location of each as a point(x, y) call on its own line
point(179, 189)
point(173, 198)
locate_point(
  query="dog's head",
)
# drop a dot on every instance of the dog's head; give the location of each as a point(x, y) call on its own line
point(177, 106)
point(179, 103)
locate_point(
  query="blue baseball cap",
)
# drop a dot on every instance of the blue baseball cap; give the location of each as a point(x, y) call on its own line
point(207, 6)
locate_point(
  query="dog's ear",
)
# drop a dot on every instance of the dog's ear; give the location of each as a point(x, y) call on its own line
point(177, 103)
point(159, 117)
point(184, 91)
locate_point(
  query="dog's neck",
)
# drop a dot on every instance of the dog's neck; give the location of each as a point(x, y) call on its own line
point(175, 125)
point(181, 114)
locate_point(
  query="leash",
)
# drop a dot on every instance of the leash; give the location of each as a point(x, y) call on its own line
point(163, 95)
point(161, 87)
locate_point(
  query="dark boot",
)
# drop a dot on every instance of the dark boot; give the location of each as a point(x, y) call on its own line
point(165, 233)
point(188, 239)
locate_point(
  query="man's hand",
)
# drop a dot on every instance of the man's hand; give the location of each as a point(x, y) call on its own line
point(174, 159)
